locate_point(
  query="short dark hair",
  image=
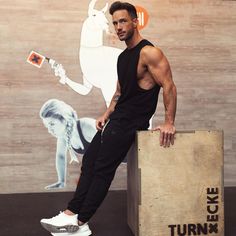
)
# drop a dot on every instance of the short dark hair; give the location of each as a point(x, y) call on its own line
point(115, 6)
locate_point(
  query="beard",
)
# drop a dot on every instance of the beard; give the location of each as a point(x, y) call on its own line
point(127, 35)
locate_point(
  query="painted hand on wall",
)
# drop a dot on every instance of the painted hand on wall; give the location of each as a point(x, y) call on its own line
point(58, 70)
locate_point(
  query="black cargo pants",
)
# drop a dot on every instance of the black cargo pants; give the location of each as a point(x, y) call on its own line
point(104, 154)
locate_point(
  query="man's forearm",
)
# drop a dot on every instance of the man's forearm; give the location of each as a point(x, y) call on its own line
point(170, 101)
point(113, 103)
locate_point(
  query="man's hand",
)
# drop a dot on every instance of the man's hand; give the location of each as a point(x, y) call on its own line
point(167, 134)
point(101, 121)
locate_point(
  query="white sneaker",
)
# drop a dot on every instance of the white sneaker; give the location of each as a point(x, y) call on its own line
point(84, 230)
point(61, 223)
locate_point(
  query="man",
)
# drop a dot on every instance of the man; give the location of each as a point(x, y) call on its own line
point(142, 71)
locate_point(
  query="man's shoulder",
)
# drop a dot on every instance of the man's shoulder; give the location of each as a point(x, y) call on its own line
point(151, 49)
point(151, 53)
point(147, 42)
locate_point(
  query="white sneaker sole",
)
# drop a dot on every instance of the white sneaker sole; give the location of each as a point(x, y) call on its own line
point(86, 233)
point(60, 229)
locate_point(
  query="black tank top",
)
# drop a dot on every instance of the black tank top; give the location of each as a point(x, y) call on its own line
point(135, 104)
point(83, 140)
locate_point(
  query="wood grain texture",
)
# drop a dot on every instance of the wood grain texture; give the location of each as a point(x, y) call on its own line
point(198, 37)
point(168, 187)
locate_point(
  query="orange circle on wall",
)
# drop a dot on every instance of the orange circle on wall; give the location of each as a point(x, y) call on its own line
point(142, 17)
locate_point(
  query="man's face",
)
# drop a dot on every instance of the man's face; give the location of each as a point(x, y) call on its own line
point(124, 24)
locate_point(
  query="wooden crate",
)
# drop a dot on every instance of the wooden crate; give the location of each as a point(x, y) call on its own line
point(177, 190)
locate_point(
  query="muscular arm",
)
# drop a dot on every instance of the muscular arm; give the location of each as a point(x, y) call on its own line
point(159, 68)
point(114, 100)
point(100, 122)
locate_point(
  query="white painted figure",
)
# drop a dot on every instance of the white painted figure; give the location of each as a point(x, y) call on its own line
point(98, 62)
point(73, 135)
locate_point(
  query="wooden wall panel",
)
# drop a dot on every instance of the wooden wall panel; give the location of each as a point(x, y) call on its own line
point(197, 36)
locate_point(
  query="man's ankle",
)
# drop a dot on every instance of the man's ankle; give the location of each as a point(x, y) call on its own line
point(80, 223)
point(69, 213)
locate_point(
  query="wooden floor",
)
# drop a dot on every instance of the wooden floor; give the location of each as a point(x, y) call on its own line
point(21, 213)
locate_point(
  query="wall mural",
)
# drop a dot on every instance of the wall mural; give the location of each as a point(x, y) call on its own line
point(98, 66)
point(73, 135)
point(102, 74)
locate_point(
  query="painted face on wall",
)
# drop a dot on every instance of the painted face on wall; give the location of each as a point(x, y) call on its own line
point(124, 25)
point(55, 127)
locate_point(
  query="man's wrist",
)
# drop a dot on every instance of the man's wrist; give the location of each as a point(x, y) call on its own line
point(169, 122)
